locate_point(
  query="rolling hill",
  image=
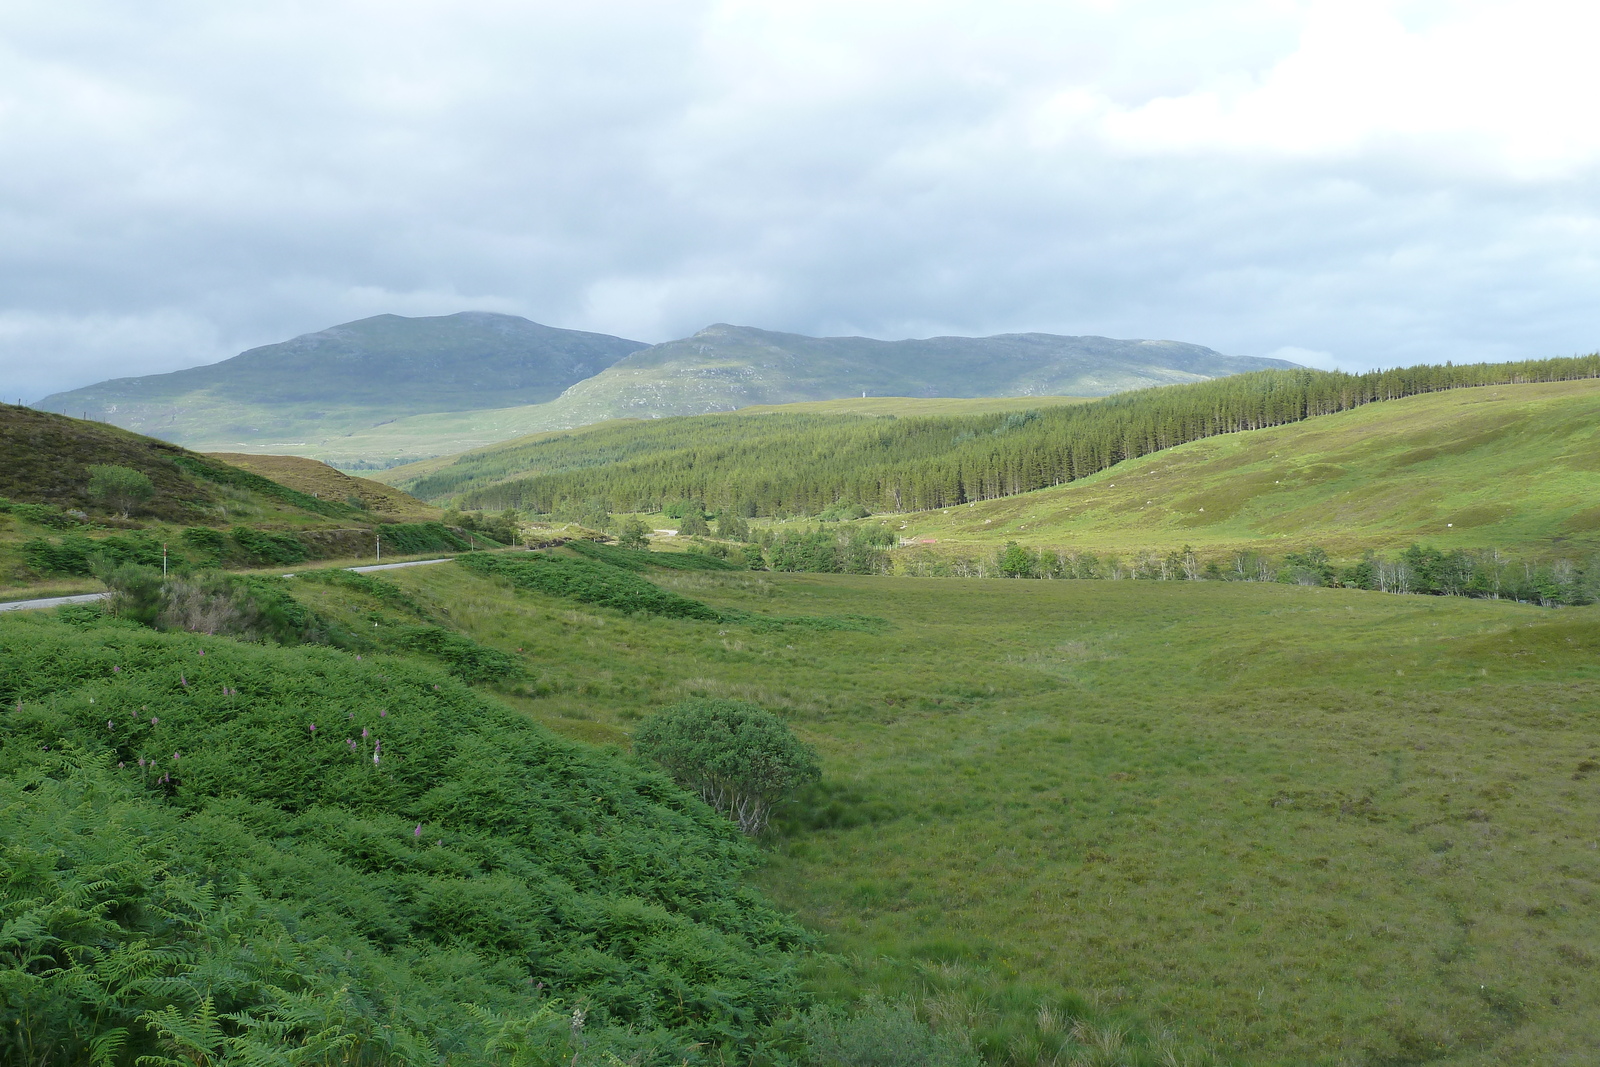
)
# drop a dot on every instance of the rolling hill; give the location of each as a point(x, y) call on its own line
point(291, 395)
point(799, 463)
point(325, 483)
point(47, 460)
point(1514, 465)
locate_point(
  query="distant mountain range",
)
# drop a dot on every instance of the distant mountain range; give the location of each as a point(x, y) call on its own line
point(390, 387)
point(351, 377)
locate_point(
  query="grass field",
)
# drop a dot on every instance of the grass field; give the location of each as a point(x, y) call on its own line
point(1288, 825)
point(1508, 466)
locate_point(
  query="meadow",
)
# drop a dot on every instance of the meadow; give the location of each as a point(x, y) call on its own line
point(1263, 824)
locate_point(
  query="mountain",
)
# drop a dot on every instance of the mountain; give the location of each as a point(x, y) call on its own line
point(349, 377)
point(724, 367)
point(390, 388)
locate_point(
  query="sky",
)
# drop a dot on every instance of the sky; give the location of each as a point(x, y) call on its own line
point(1349, 184)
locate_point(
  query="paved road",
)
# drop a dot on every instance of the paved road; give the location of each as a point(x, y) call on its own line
point(85, 598)
point(392, 566)
point(51, 602)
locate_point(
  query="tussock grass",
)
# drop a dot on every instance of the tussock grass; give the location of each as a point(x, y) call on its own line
point(1286, 825)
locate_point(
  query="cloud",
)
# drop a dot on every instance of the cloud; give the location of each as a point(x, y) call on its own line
point(1385, 182)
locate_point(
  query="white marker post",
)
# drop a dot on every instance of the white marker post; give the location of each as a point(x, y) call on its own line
point(163, 559)
point(379, 538)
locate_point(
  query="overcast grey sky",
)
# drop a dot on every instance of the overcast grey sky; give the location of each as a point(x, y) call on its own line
point(1348, 183)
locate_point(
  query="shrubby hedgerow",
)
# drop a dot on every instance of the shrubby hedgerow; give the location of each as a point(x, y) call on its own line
point(587, 582)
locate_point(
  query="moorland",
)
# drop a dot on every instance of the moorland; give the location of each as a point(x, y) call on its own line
point(1275, 814)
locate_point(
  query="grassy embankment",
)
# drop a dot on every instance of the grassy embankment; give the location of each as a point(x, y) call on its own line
point(1300, 826)
point(1514, 466)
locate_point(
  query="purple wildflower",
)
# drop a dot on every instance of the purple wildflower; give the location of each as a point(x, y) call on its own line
point(154, 720)
point(376, 745)
point(183, 681)
point(120, 765)
point(383, 713)
point(363, 731)
point(313, 729)
point(174, 757)
point(116, 670)
point(202, 651)
point(110, 725)
point(418, 831)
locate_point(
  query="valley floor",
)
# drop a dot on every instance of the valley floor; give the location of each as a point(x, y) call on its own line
point(1289, 825)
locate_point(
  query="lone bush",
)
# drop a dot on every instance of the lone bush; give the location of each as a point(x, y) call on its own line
point(742, 759)
point(119, 488)
point(209, 603)
point(634, 535)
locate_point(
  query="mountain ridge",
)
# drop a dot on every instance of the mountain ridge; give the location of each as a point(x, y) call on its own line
point(387, 388)
point(353, 375)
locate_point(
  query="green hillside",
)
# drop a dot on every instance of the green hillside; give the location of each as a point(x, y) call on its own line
point(445, 435)
point(200, 511)
point(791, 464)
point(46, 460)
point(879, 405)
point(292, 396)
point(1506, 465)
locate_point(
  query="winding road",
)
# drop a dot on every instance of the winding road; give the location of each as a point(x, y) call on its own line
point(88, 598)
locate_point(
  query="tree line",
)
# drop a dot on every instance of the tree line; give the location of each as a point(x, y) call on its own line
point(1485, 573)
point(791, 464)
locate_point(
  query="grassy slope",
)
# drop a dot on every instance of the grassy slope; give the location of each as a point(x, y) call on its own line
point(1515, 465)
point(1305, 826)
point(47, 459)
point(44, 458)
point(325, 483)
